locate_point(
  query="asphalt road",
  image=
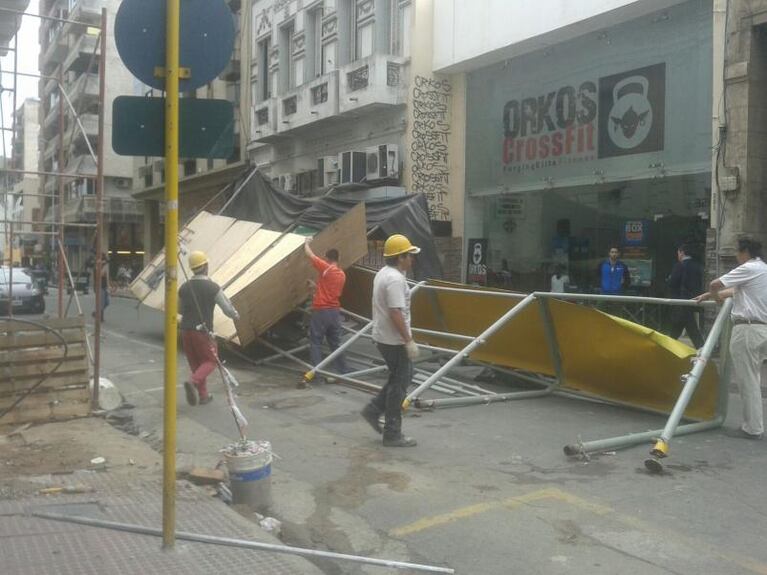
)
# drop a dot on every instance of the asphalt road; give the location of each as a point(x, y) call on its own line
point(487, 491)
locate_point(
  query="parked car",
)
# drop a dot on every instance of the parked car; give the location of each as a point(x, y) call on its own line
point(26, 295)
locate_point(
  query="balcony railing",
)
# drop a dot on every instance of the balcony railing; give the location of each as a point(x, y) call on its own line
point(308, 104)
point(375, 80)
point(264, 120)
point(80, 55)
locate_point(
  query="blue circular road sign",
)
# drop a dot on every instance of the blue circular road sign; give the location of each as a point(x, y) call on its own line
point(207, 40)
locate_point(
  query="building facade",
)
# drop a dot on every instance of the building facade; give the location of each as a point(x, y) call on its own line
point(740, 115)
point(328, 87)
point(585, 130)
point(26, 190)
point(69, 55)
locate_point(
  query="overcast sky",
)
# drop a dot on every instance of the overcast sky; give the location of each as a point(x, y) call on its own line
point(29, 49)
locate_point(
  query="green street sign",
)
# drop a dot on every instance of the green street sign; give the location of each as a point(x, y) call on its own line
point(206, 127)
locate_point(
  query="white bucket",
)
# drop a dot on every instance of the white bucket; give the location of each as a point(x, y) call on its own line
point(250, 476)
point(110, 397)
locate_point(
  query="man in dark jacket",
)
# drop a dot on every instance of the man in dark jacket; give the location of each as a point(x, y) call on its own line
point(197, 300)
point(685, 282)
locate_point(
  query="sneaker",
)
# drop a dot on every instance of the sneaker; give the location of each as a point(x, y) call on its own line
point(742, 434)
point(207, 399)
point(401, 441)
point(192, 397)
point(372, 418)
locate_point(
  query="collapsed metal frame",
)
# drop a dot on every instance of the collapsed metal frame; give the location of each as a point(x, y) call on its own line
point(57, 224)
point(437, 380)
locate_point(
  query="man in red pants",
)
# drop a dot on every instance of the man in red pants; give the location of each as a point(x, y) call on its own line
point(197, 299)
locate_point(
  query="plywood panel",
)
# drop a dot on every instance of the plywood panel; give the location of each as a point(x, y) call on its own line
point(276, 284)
point(200, 234)
point(243, 253)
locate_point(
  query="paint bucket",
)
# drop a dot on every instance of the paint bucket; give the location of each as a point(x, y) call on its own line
point(250, 474)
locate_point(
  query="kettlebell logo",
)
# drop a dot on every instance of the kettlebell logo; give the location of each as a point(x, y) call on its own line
point(631, 114)
point(477, 255)
point(632, 111)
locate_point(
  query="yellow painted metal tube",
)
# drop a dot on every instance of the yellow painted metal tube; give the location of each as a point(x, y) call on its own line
point(172, 31)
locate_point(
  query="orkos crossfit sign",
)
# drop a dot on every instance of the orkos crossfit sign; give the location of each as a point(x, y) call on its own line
point(616, 115)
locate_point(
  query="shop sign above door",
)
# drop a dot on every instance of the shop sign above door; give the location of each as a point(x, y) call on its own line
point(631, 103)
point(615, 115)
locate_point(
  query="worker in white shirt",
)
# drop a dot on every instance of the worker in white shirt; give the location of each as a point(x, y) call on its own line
point(392, 335)
point(747, 285)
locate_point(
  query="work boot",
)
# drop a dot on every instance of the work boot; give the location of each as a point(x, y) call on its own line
point(370, 415)
point(207, 399)
point(192, 397)
point(401, 441)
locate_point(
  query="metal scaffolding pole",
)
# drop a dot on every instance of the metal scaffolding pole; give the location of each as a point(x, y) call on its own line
point(99, 212)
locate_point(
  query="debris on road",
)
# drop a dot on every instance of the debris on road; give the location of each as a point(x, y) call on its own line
point(206, 476)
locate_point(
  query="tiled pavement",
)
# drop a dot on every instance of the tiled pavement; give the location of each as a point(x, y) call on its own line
point(34, 546)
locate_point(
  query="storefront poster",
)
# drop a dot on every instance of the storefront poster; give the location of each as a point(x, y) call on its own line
point(476, 272)
point(636, 232)
point(640, 271)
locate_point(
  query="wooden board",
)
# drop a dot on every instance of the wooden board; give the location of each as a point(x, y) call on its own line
point(21, 357)
point(276, 284)
point(52, 405)
point(13, 326)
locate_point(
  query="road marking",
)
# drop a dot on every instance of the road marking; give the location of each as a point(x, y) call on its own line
point(135, 372)
point(748, 563)
point(132, 339)
point(150, 390)
point(510, 503)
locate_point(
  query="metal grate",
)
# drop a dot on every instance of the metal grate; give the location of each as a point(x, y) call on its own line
point(320, 94)
point(358, 79)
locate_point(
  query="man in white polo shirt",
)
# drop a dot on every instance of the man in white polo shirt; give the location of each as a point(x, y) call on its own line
point(392, 335)
point(747, 285)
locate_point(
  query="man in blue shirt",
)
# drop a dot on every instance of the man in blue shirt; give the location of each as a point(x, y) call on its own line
point(614, 275)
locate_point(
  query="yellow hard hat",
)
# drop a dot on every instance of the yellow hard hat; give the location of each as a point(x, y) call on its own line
point(197, 260)
point(399, 244)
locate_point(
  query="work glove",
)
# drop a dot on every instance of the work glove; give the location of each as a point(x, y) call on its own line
point(411, 348)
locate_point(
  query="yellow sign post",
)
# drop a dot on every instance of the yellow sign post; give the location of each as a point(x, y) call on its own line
point(173, 18)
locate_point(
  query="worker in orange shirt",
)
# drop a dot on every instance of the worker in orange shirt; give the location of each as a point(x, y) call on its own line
point(326, 307)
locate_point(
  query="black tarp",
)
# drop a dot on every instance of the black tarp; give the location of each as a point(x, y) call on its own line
point(259, 201)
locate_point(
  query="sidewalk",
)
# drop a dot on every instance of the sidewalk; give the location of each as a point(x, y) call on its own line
point(128, 491)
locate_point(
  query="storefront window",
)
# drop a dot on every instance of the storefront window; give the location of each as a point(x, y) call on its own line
point(537, 234)
point(592, 144)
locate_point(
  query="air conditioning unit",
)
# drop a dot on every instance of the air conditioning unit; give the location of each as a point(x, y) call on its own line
point(288, 182)
point(382, 162)
point(123, 182)
point(352, 167)
point(327, 170)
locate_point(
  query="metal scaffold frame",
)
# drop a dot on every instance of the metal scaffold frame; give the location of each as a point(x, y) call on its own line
point(57, 225)
point(463, 393)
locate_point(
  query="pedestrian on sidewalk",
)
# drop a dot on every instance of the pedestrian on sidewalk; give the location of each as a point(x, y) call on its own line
point(198, 298)
point(747, 285)
point(105, 284)
point(392, 335)
point(685, 281)
point(326, 306)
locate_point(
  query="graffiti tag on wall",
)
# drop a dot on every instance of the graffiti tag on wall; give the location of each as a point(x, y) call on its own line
point(429, 148)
